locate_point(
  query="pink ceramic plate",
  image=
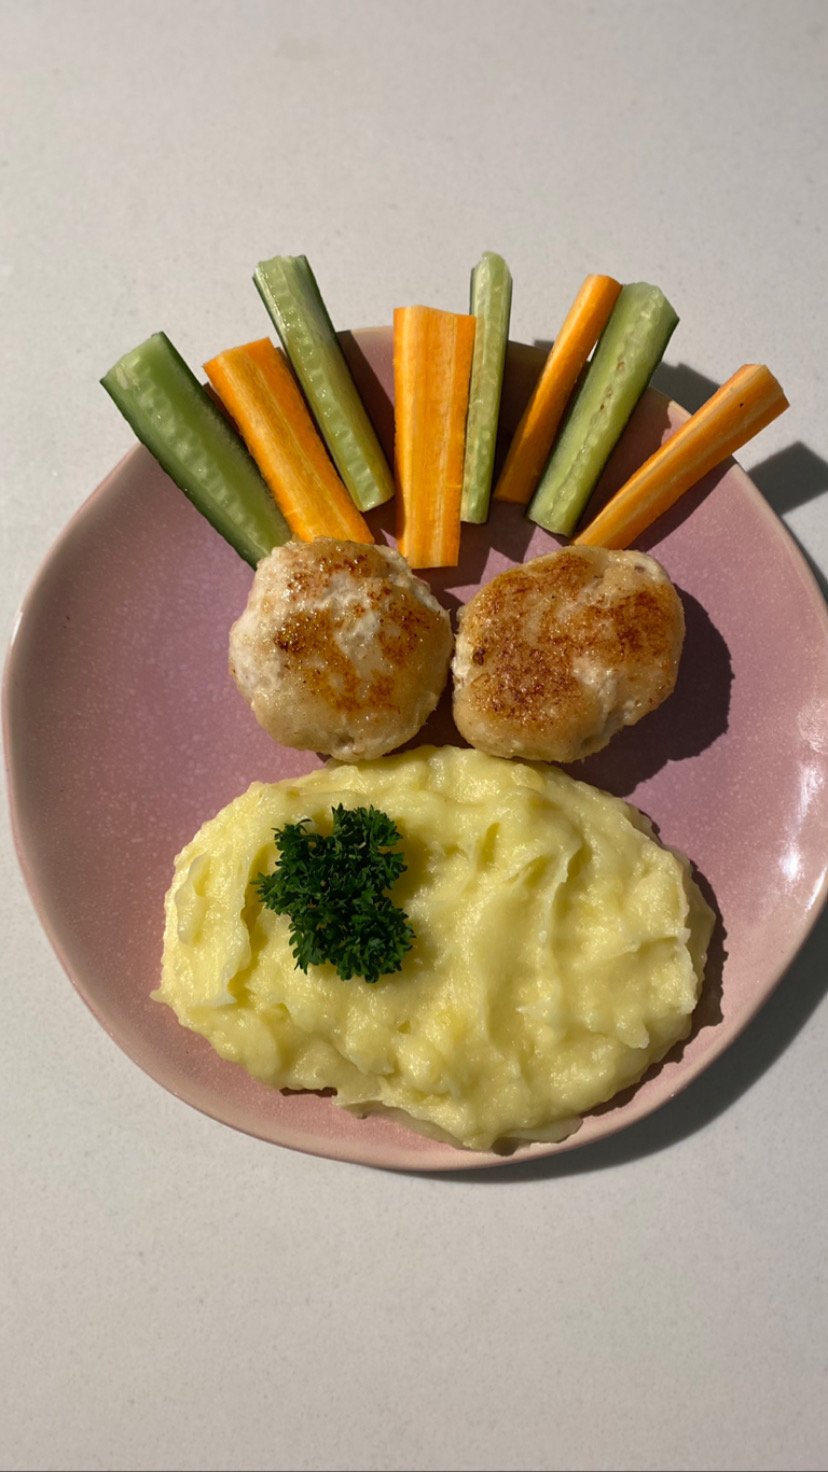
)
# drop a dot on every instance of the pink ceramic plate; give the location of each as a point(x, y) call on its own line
point(124, 732)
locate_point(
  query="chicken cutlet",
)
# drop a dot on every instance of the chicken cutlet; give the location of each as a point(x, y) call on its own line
point(552, 658)
point(341, 648)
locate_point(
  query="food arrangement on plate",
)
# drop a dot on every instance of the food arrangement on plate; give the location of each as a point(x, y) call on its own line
point(471, 940)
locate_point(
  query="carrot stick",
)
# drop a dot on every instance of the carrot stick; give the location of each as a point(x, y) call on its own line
point(256, 385)
point(535, 434)
point(732, 416)
point(432, 370)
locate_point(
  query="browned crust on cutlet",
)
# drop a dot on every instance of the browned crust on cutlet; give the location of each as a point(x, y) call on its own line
point(529, 634)
point(338, 647)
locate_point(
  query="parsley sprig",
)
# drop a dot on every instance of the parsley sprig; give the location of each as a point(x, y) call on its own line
point(334, 890)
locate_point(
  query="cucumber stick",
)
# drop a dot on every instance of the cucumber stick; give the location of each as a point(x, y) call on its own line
point(490, 305)
point(180, 425)
point(288, 289)
point(630, 349)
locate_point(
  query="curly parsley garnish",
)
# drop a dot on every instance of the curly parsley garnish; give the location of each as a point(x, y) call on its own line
point(333, 888)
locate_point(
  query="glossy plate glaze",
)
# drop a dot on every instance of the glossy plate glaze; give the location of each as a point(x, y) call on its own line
point(124, 732)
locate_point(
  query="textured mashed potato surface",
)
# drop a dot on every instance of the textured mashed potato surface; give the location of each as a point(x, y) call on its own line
point(559, 948)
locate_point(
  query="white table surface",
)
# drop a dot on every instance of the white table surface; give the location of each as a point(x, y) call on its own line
point(175, 1295)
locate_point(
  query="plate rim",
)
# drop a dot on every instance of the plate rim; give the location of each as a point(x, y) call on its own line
point(458, 1159)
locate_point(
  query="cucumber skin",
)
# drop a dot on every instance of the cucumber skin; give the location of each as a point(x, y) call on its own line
point(490, 303)
point(144, 384)
point(289, 290)
point(630, 349)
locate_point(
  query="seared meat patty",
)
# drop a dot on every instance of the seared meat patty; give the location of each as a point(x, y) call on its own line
point(553, 658)
point(341, 649)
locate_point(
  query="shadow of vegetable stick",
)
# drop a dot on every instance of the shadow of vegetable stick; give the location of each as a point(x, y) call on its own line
point(790, 478)
point(686, 385)
point(372, 391)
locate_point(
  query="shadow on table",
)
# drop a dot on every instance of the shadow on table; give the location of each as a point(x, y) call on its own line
point(721, 1085)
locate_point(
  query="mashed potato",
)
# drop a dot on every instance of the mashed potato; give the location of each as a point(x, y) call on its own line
point(559, 948)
